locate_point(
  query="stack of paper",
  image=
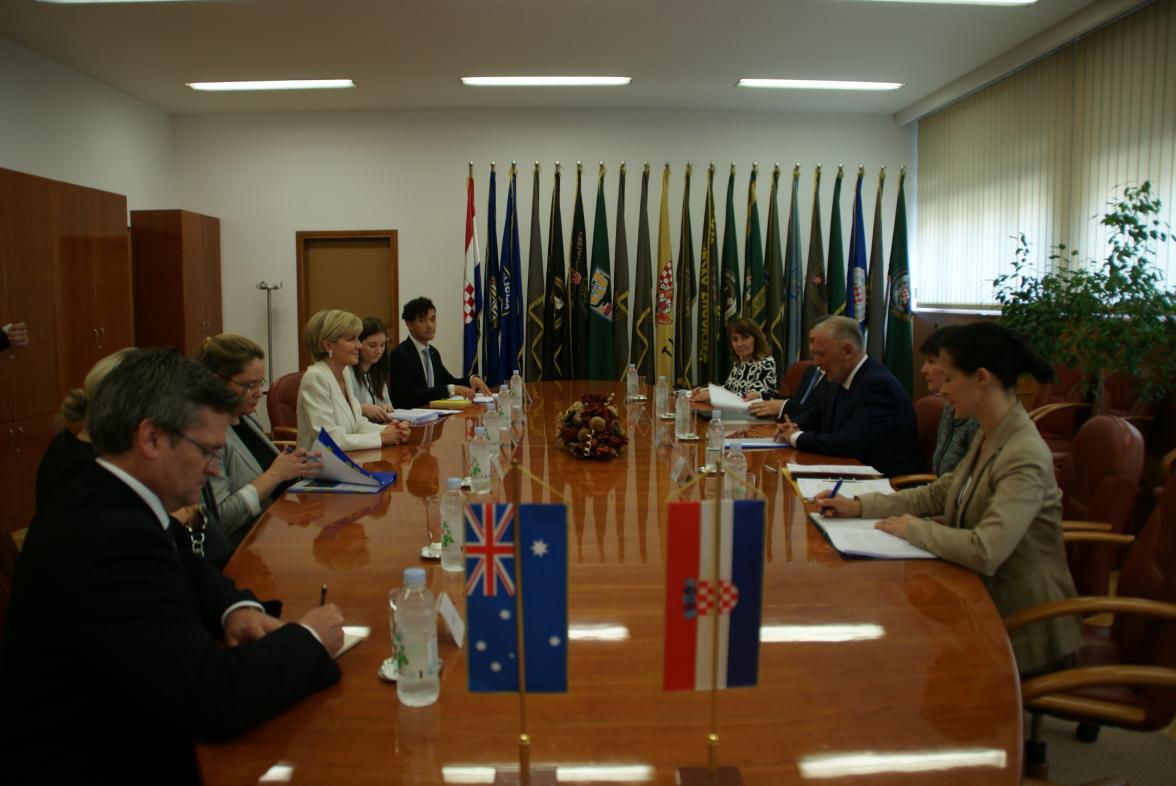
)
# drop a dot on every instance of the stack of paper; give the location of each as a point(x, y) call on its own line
point(721, 398)
point(341, 475)
point(756, 443)
point(457, 402)
point(832, 471)
point(859, 538)
point(853, 488)
point(418, 417)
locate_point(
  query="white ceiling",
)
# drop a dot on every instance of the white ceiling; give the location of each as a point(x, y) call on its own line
point(409, 54)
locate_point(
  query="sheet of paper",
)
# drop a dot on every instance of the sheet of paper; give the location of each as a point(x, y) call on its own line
point(859, 538)
point(721, 398)
point(452, 617)
point(852, 488)
point(482, 398)
point(832, 470)
point(352, 635)
point(319, 486)
point(756, 443)
point(339, 473)
point(417, 416)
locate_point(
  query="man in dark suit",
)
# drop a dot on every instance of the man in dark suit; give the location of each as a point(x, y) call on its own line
point(416, 374)
point(866, 414)
point(814, 385)
point(122, 648)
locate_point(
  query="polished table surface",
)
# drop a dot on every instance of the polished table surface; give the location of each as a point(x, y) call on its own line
point(871, 672)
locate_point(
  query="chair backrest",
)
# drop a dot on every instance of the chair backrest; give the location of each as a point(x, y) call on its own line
point(928, 413)
point(1099, 480)
point(282, 402)
point(790, 384)
point(1067, 386)
point(1121, 396)
point(1150, 572)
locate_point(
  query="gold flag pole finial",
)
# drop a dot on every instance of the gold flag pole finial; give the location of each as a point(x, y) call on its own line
point(840, 170)
point(646, 169)
point(601, 174)
point(514, 168)
point(622, 167)
point(491, 166)
point(536, 166)
point(557, 167)
point(732, 167)
point(471, 169)
point(796, 170)
point(861, 169)
point(882, 174)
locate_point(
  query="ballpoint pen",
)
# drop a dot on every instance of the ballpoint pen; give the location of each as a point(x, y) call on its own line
point(323, 595)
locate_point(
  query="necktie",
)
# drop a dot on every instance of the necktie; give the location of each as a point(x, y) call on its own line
point(428, 366)
point(817, 376)
point(836, 408)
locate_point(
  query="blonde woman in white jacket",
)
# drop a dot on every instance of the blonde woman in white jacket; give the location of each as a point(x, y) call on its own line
point(327, 398)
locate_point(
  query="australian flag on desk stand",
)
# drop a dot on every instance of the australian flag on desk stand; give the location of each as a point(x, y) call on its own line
point(697, 600)
point(491, 597)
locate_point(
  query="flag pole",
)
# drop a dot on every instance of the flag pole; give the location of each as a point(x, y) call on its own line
point(516, 490)
point(712, 739)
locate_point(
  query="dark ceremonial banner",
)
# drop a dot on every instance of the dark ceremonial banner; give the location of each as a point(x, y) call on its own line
point(534, 350)
point(816, 299)
point(899, 331)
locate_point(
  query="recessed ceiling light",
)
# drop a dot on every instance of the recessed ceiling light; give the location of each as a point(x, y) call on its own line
point(274, 84)
point(960, 2)
point(109, 2)
point(817, 84)
point(545, 81)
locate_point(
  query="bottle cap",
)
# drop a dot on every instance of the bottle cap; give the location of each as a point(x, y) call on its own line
point(516, 371)
point(633, 365)
point(479, 431)
point(414, 577)
point(453, 483)
point(661, 378)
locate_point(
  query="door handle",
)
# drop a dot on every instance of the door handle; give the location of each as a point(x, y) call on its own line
point(12, 437)
point(20, 438)
point(102, 335)
point(97, 341)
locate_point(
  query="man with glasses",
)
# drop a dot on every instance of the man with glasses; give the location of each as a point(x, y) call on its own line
point(121, 647)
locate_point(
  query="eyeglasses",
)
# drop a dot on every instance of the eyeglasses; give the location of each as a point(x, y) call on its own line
point(250, 387)
point(209, 454)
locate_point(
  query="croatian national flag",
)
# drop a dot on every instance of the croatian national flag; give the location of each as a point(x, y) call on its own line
point(697, 601)
point(492, 597)
point(471, 290)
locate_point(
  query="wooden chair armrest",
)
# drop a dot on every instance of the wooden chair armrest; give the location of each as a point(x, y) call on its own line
point(917, 479)
point(1057, 406)
point(285, 432)
point(1090, 536)
point(1085, 526)
point(1068, 680)
point(1098, 604)
point(285, 444)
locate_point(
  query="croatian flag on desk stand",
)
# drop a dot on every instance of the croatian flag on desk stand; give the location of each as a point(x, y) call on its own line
point(696, 602)
point(492, 598)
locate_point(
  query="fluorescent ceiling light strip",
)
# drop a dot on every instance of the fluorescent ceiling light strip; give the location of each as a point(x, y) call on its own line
point(545, 81)
point(274, 84)
point(817, 84)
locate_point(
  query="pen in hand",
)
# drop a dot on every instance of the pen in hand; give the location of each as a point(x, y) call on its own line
point(323, 595)
point(825, 510)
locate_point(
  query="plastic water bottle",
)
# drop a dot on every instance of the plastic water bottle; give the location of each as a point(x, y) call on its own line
point(516, 393)
point(480, 456)
point(631, 382)
point(714, 440)
point(418, 684)
point(661, 396)
point(735, 469)
point(682, 414)
point(490, 423)
point(452, 526)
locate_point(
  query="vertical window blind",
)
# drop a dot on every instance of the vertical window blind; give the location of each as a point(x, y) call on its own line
point(1041, 152)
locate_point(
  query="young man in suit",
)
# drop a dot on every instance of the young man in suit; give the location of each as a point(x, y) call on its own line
point(866, 415)
point(121, 646)
point(416, 374)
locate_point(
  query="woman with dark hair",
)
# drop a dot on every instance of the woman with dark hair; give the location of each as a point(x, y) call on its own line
point(1001, 507)
point(371, 372)
point(754, 371)
point(955, 434)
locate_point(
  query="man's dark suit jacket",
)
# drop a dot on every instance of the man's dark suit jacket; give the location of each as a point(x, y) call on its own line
point(406, 377)
point(111, 664)
point(805, 399)
point(873, 421)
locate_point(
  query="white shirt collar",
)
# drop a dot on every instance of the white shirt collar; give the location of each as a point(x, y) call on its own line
point(849, 380)
point(419, 346)
point(137, 486)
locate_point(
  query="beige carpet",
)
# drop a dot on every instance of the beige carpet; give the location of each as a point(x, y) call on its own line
point(1144, 759)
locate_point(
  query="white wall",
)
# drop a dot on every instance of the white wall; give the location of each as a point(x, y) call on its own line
point(268, 176)
point(57, 123)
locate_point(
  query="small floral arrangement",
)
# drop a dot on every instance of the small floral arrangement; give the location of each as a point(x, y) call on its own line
point(590, 429)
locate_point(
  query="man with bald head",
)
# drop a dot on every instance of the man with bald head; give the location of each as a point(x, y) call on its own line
point(866, 414)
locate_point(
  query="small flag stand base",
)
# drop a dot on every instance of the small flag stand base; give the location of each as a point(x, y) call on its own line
point(701, 776)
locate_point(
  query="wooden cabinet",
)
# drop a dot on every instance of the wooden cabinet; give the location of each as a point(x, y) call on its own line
point(176, 261)
point(65, 271)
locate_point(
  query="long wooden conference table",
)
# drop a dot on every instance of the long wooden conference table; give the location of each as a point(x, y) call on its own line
point(871, 672)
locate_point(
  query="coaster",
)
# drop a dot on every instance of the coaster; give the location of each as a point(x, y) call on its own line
point(666, 416)
point(432, 551)
point(388, 671)
point(688, 437)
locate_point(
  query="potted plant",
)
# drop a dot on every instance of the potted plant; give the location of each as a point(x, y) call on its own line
point(1111, 316)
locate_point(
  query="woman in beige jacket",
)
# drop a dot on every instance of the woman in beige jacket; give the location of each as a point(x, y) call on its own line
point(1001, 507)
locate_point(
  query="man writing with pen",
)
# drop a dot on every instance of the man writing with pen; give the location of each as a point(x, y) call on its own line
point(865, 415)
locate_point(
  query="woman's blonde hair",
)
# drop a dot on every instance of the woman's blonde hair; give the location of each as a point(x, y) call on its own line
point(73, 408)
point(225, 355)
point(329, 324)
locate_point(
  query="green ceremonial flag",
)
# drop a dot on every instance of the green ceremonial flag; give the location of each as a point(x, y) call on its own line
point(835, 274)
point(793, 279)
point(685, 297)
point(754, 297)
point(729, 302)
point(641, 347)
point(876, 283)
point(556, 360)
point(816, 298)
point(578, 285)
point(776, 296)
point(600, 307)
point(534, 351)
point(620, 314)
point(708, 291)
point(899, 337)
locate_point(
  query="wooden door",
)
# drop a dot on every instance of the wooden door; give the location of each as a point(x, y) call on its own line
point(353, 271)
point(112, 284)
point(33, 436)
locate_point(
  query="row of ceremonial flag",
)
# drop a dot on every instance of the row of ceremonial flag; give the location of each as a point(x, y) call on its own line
point(575, 321)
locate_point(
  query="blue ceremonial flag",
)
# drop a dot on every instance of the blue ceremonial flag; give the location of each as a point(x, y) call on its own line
point(491, 373)
point(855, 296)
point(510, 286)
point(492, 599)
point(471, 290)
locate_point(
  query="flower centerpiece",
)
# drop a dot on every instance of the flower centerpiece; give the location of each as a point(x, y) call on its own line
point(591, 429)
